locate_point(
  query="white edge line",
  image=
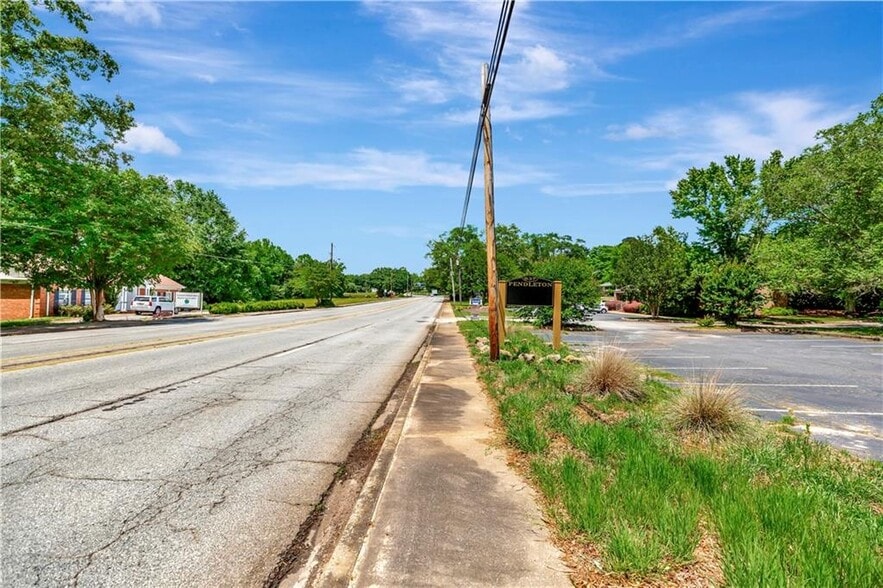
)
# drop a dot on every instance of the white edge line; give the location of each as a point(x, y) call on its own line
point(708, 369)
point(818, 412)
point(780, 385)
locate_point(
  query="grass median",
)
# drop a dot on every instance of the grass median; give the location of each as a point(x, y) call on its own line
point(652, 485)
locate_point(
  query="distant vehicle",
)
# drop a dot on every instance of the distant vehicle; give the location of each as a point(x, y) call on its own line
point(155, 305)
point(602, 308)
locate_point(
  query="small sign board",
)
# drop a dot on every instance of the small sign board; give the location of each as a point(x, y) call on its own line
point(188, 300)
point(530, 291)
point(475, 301)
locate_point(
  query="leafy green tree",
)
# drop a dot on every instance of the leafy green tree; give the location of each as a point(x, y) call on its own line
point(829, 206)
point(603, 259)
point(388, 279)
point(730, 291)
point(725, 202)
point(100, 229)
point(220, 267)
point(653, 267)
point(55, 140)
point(578, 286)
point(549, 245)
point(44, 121)
point(322, 280)
point(272, 267)
point(514, 253)
point(460, 252)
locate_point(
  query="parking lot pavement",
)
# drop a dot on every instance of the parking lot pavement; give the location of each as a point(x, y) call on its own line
point(834, 384)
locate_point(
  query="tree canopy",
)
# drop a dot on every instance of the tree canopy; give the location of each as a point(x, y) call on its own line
point(725, 202)
point(828, 204)
point(653, 267)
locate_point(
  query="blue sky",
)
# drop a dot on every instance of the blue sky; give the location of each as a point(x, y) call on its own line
point(353, 122)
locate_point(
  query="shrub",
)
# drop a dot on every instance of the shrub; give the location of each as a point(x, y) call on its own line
point(707, 408)
point(631, 306)
point(255, 306)
point(706, 321)
point(729, 292)
point(778, 311)
point(610, 371)
point(74, 310)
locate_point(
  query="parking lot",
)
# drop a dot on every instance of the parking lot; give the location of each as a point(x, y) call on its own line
point(834, 384)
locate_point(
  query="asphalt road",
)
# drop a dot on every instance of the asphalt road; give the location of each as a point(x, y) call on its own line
point(835, 384)
point(186, 453)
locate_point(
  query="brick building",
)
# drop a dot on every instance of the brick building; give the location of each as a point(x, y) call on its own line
point(19, 301)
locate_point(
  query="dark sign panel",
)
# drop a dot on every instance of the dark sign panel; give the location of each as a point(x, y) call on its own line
point(529, 291)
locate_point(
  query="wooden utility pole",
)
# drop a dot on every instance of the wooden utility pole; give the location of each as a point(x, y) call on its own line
point(490, 232)
point(331, 259)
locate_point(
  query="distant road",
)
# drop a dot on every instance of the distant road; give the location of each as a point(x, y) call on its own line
point(186, 453)
point(833, 383)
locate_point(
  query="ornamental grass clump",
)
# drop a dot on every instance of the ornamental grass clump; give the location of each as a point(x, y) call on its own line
point(708, 408)
point(611, 371)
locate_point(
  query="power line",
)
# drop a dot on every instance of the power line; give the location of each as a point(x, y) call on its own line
point(494, 65)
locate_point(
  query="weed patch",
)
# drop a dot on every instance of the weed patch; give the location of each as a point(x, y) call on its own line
point(611, 371)
point(707, 408)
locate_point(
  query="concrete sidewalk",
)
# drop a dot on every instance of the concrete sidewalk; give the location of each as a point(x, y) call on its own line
point(450, 512)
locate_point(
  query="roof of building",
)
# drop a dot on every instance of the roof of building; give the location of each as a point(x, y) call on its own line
point(167, 284)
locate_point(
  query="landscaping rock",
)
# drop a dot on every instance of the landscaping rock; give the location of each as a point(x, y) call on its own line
point(574, 359)
point(527, 357)
point(552, 357)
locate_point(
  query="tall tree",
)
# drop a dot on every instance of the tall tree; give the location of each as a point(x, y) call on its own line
point(322, 280)
point(220, 266)
point(461, 252)
point(388, 279)
point(54, 140)
point(725, 202)
point(43, 119)
point(272, 266)
point(103, 229)
point(828, 202)
point(653, 267)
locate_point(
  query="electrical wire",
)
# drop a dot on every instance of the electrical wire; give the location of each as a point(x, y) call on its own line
point(494, 65)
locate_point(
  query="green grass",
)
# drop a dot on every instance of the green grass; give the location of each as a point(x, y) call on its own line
point(785, 510)
point(867, 331)
point(25, 322)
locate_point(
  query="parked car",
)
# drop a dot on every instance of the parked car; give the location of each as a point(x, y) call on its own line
point(602, 307)
point(152, 305)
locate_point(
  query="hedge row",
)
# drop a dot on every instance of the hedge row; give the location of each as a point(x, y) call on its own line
point(256, 306)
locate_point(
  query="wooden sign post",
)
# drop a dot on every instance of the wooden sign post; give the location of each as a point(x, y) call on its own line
point(556, 315)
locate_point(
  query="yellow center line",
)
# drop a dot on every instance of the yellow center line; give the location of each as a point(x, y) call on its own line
point(34, 361)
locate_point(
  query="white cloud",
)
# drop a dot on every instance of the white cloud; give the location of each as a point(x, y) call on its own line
point(751, 124)
point(132, 12)
point(608, 189)
point(686, 30)
point(148, 139)
point(503, 113)
point(423, 90)
point(669, 124)
point(362, 169)
point(542, 69)
point(453, 37)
